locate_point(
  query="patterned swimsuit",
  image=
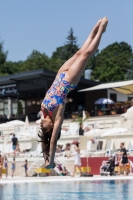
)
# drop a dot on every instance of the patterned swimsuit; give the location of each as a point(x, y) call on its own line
point(57, 93)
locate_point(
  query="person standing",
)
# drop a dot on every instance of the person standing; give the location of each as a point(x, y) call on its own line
point(6, 166)
point(13, 167)
point(76, 154)
point(25, 165)
point(124, 159)
point(1, 164)
point(14, 141)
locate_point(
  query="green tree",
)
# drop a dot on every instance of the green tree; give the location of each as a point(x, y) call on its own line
point(108, 73)
point(129, 74)
point(112, 61)
point(3, 56)
point(10, 67)
point(63, 53)
point(36, 60)
point(71, 44)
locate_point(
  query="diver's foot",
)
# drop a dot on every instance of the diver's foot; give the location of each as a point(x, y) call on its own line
point(96, 27)
point(49, 166)
point(104, 23)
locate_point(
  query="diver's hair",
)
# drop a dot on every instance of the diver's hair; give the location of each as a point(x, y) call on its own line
point(122, 143)
point(45, 140)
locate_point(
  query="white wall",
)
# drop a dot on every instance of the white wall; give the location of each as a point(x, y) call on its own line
point(120, 96)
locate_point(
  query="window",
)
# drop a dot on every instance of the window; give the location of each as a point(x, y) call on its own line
point(113, 97)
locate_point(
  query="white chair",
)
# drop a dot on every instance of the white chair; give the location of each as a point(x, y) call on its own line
point(74, 128)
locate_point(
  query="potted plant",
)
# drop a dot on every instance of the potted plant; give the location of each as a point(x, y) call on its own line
point(113, 112)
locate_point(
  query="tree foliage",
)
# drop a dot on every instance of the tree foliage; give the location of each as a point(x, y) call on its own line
point(111, 64)
point(36, 60)
point(129, 74)
point(63, 53)
point(3, 56)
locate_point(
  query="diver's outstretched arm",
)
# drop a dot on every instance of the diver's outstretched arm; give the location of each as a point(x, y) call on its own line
point(53, 142)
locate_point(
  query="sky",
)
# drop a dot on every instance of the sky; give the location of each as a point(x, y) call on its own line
point(27, 25)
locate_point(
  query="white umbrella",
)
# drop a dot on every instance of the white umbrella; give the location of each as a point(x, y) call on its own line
point(104, 101)
point(114, 132)
point(83, 116)
point(16, 123)
point(26, 122)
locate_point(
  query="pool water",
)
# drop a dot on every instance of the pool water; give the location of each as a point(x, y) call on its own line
point(76, 190)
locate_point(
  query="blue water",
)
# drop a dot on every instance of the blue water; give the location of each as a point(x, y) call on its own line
point(82, 190)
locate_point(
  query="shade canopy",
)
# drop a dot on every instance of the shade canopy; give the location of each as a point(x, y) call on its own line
point(125, 87)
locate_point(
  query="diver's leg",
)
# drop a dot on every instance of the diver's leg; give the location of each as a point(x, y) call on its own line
point(68, 63)
point(77, 68)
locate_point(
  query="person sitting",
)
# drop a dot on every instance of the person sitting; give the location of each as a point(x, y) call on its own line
point(62, 170)
point(59, 149)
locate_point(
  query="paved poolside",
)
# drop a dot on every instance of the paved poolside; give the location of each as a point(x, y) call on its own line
point(61, 178)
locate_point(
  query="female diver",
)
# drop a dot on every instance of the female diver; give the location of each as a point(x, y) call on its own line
point(66, 80)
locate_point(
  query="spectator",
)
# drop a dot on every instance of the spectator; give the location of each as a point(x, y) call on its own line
point(68, 147)
point(59, 149)
point(14, 143)
point(13, 167)
point(76, 154)
point(25, 165)
point(124, 160)
point(1, 164)
point(63, 171)
point(6, 166)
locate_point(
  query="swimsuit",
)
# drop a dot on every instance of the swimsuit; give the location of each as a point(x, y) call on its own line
point(25, 166)
point(57, 93)
point(5, 164)
point(13, 166)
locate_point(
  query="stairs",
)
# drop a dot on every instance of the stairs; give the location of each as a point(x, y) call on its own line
point(39, 162)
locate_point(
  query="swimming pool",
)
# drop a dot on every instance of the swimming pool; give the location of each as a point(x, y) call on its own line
point(85, 190)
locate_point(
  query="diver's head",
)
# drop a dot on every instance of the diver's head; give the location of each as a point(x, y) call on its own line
point(47, 124)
